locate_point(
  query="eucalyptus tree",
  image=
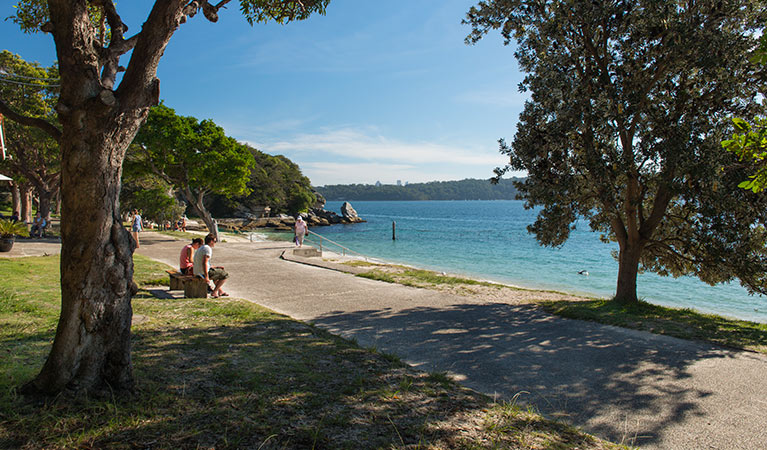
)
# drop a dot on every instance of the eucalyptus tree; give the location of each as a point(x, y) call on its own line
point(195, 157)
point(33, 156)
point(99, 117)
point(629, 102)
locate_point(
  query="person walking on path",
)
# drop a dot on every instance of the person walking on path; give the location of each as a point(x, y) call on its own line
point(301, 230)
point(203, 269)
point(136, 226)
point(186, 259)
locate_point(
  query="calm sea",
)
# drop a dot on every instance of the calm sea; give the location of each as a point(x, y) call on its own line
point(488, 240)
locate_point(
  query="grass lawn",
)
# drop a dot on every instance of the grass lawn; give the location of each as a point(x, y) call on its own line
point(227, 374)
point(681, 323)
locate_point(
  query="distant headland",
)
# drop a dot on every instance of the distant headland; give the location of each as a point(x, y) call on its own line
point(468, 189)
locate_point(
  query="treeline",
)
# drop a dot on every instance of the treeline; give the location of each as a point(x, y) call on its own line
point(468, 189)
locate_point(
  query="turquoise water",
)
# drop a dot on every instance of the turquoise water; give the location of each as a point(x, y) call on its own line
point(489, 240)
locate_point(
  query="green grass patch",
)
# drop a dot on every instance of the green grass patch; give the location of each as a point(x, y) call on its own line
point(429, 277)
point(228, 374)
point(147, 272)
point(379, 276)
point(409, 276)
point(681, 323)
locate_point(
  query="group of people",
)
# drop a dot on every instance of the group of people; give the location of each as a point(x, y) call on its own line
point(195, 260)
point(195, 257)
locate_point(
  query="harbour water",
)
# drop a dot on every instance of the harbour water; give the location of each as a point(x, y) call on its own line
point(489, 240)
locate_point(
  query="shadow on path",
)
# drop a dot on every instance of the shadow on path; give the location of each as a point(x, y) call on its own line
point(566, 368)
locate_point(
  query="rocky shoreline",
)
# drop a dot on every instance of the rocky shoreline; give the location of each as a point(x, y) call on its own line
point(315, 217)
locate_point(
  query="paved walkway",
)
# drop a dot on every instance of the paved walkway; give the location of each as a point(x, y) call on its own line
point(623, 385)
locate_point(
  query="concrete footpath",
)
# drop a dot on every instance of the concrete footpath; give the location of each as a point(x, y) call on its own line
point(626, 386)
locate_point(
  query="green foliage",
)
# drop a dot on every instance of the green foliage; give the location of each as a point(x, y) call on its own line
point(195, 157)
point(30, 15)
point(152, 196)
point(469, 189)
point(276, 182)
point(31, 90)
point(628, 108)
point(749, 143)
point(281, 11)
point(10, 228)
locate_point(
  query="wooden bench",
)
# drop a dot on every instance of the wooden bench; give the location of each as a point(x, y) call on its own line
point(193, 287)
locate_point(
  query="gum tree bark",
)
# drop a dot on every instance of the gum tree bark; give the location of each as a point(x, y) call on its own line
point(16, 197)
point(198, 206)
point(26, 202)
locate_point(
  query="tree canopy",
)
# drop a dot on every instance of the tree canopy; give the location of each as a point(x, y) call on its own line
point(629, 103)
point(195, 157)
point(276, 182)
point(33, 156)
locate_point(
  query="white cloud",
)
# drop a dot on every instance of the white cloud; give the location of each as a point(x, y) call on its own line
point(356, 145)
point(322, 173)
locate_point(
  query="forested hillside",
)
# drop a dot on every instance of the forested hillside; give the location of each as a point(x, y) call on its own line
point(275, 181)
point(469, 189)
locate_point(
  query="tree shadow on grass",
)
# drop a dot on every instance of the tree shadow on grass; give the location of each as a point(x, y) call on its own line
point(616, 383)
point(268, 384)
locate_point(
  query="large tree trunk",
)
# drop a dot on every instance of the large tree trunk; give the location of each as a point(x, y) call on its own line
point(628, 268)
point(91, 351)
point(198, 206)
point(26, 202)
point(57, 200)
point(16, 195)
point(44, 205)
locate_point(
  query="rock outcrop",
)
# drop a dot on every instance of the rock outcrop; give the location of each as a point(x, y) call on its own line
point(315, 217)
point(349, 213)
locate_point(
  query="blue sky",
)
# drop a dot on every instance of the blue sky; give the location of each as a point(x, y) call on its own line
point(371, 91)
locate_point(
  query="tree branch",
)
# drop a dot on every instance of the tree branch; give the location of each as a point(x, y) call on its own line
point(44, 125)
point(140, 79)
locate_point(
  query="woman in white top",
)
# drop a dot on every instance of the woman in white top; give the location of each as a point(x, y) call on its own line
point(301, 230)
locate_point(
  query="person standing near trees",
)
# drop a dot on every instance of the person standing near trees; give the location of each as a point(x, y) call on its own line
point(38, 226)
point(301, 229)
point(136, 226)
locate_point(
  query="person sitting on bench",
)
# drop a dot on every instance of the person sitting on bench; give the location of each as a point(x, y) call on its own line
point(38, 226)
point(203, 268)
point(186, 259)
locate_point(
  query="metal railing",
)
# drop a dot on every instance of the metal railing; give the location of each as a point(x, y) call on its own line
point(322, 241)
